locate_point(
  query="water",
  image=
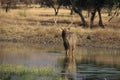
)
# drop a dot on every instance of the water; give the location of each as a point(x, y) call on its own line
point(29, 55)
point(87, 63)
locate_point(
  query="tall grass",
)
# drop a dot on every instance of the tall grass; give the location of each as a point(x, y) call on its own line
point(26, 73)
point(18, 69)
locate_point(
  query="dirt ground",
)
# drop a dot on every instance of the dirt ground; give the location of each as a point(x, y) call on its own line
point(38, 26)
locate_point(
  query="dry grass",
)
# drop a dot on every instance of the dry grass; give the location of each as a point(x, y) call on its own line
point(37, 26)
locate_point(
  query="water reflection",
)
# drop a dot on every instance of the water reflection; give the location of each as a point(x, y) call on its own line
point(69, 68)
point(28, 55)
point(87, 63)
point(98, 64)
point(92, 64)
point(100, 57)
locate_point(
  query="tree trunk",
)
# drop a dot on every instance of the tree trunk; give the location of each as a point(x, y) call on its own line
point(92, 17)
point(8, 6)
point(100, 18)
point(78, 11)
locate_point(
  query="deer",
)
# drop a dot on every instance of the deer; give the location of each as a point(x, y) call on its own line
point(69, 41)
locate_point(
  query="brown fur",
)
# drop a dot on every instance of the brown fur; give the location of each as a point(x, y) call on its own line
point(69, 41)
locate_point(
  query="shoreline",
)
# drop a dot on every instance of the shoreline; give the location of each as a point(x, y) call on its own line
point(45, 44)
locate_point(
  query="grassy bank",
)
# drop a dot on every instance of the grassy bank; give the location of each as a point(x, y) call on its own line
point(8, 72)
point(37, 26)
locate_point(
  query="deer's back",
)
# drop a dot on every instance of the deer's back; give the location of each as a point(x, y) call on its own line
point(72, 38)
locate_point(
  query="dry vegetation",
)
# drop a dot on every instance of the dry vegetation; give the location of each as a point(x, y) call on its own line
point(37, 26)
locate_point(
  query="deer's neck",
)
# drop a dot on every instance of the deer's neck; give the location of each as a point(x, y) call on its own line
point(64, 36)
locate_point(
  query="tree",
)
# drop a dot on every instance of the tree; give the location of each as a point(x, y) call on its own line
point(8, 3)
point(56, 4)
point(94, 5)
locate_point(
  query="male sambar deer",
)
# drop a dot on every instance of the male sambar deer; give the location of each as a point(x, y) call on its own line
point(69, 41)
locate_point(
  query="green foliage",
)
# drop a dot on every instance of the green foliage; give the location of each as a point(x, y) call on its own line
point(26, 73)
point(58, 78)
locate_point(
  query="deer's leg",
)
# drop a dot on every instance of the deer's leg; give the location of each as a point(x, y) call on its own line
point(72, 53)
point(92, 17)
point(73, 47)
point(67, 53)
point(100, 18)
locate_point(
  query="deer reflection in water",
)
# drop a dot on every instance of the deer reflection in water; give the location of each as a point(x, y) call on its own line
point(69, 68)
